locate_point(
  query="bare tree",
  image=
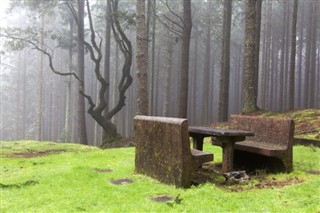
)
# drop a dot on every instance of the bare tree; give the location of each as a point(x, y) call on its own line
point(107, 61)
point(96, 109)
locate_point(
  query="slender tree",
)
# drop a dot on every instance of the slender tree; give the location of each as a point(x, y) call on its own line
point(184, 72)
point(293, 55)
point(40, 91)
point(225, 62)
point(207, 62)
point(142, 60)
point(250, 82)
point(80, 62)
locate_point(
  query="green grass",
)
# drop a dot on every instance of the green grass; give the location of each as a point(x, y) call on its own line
point(67, 181)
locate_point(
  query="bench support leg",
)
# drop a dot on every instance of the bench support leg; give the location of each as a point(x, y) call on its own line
point(227, 155)
point(197, 142)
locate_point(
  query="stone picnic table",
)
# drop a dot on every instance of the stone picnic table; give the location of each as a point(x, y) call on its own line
point(227, 137)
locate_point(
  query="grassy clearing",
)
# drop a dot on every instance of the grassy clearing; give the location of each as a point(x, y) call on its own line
point(78, 178)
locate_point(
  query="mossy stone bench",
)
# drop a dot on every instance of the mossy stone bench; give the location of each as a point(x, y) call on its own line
point(273, 139)
point(163, 150)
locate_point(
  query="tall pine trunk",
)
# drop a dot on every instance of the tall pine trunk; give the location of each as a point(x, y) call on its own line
point(142, 60)
point(80, 54)
point(225, 63)
point(184, 69)
point(293, 55)
point(250, 83)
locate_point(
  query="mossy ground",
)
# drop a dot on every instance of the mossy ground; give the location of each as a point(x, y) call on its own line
point(76, 178)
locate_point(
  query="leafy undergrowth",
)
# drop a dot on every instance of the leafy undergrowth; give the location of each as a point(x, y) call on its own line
point(53, 177)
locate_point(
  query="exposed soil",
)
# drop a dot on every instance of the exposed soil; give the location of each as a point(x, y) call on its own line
point(122, 181)
point(277, 183)
point(36, 153)
point(256, 180)
point(162, 198)
point(103, 170)
point(314, 172)
point(123, 142)
point(20, 185)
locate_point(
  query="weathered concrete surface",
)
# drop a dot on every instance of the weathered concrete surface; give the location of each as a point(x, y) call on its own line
point(273, 138)
point(163, 150)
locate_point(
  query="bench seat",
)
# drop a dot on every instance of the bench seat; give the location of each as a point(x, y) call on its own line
point(261, 148)
point(201, 157)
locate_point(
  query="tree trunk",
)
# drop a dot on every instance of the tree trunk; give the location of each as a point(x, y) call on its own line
point(194, 79)
point(80, 53)
point(167, 79)
point(307, 70)
point(206, 71)
point(250, 83)
point(152, 70)
point(225, 63)
point(282, 59)
point(313, 55)
point(300, 56)
point(142, 60)
point(285, 81)
point(67, 123)
point(184, 69)
point(40, 95)
point(24, 101)
point(293, 55)
point(107, 63)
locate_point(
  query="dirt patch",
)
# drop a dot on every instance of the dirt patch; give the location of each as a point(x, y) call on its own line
point(123, 142)
point(257, 179)
point(20, 185)
point(122, 181)
point(36, 154)
point(314, 172)
point(162, 198)
point(262, 184)
point(278, 183)
point(103, 170)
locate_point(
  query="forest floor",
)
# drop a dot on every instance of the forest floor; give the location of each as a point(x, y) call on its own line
point(60, 177)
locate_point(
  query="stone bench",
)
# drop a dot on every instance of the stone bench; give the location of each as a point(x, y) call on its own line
point(273, 139)
point(163, 150)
